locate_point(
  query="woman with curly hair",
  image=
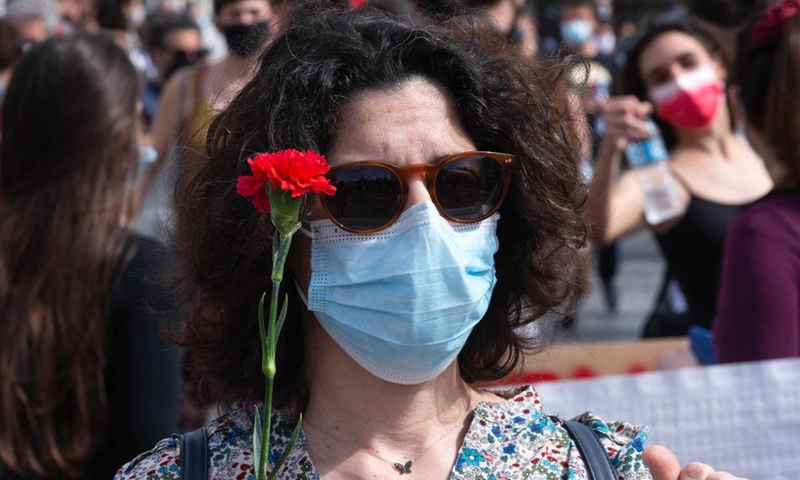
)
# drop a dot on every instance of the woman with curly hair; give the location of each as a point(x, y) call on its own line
point(455, 222)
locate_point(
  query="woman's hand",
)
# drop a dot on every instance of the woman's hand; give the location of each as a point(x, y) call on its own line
point(624, 118)
point(616, 203)
point(665, 466)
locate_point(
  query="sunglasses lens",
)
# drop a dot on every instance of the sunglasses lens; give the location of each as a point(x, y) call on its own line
point(469, 188)
point(367, 197)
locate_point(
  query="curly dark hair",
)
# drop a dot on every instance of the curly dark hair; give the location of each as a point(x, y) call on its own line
point(715, 40)
point(323, 59)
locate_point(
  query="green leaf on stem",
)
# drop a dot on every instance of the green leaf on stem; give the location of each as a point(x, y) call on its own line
point(276, 249)
point(282, 315)
point(288, 449)
point(257, 447)
point(262, 328)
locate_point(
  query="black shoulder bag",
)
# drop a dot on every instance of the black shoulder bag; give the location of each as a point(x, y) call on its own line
point(194, 455)
point(598, 465)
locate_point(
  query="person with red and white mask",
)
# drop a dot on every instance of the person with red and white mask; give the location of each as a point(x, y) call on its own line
point(676, 74)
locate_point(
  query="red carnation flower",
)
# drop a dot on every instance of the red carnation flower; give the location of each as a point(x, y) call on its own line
point(289, 171)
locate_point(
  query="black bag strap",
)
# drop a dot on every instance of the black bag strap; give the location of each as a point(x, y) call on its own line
point(194, 455)
point(598, 465)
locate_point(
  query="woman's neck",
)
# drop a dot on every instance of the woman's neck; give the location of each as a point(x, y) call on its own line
point(374, 413)
point(225, 79)
point(717, 140)
point(234, 65)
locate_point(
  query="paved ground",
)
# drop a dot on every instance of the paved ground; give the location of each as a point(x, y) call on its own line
point(638, 279)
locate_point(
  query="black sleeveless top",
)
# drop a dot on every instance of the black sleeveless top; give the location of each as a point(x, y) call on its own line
point(694, 249)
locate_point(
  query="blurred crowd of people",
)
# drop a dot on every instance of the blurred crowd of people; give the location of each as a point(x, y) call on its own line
point(105, 109)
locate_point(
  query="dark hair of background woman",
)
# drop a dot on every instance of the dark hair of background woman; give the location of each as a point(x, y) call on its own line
point(109, 14)
point(769, 81)
point(323, 59)
point(725, 13)
point(10, 44)
point(711, 37)
point(65, 164)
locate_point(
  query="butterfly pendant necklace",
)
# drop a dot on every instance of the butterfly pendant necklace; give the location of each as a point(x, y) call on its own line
point(403, 467)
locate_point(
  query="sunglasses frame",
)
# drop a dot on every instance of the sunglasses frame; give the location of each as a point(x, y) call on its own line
point(431, 171)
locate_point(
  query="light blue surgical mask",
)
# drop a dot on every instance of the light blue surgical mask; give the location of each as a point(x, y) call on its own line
point(576, 32)
point(402, 302)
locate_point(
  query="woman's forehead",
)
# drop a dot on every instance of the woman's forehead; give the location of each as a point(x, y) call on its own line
point(413, 123)
point(667, 48)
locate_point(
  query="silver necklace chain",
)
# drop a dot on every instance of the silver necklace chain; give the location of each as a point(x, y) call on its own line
point(402, 467)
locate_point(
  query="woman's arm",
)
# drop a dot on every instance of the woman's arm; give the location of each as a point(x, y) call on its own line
point(758, 309)
point(175, 102)
point(170, 113)
point(616, 206)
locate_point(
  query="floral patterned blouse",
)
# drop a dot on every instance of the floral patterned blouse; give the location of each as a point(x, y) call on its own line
point(507, 440)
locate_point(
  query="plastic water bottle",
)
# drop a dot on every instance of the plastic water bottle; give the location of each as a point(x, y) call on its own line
point(648, 158)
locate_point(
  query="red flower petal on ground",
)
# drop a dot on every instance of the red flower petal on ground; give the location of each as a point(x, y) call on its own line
point(290, 171)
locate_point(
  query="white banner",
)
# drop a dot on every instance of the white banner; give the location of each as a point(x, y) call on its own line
point(740, 418)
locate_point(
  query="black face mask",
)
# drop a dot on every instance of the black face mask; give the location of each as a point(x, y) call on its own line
point(243, 40)
point(182, 58)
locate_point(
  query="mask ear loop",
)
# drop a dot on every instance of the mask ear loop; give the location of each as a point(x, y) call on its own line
point(299, 289)
point(308, 233)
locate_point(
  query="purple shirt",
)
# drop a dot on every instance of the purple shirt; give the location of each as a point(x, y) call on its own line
point(758, 312)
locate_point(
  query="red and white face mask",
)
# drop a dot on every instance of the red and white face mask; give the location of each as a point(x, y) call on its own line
point(691, 100)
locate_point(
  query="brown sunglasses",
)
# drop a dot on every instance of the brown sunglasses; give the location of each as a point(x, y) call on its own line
point(466, 187)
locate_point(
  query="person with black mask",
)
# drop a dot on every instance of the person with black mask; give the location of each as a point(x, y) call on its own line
point(243, 23)
point(173, 42)
point(189, 100)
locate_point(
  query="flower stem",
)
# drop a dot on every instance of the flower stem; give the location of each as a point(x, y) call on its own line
point(280, 251)
point(265, 430)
